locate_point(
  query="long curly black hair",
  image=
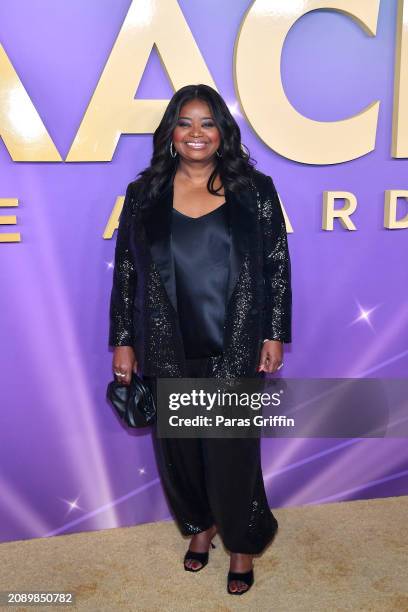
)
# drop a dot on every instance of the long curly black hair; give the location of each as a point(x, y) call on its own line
point(235, 166)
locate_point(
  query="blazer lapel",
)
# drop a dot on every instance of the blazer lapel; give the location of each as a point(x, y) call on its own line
point(157, 221)
point(241, 221)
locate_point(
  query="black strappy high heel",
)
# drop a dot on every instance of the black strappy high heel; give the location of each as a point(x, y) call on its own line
point(202, 557)
point(247, 577)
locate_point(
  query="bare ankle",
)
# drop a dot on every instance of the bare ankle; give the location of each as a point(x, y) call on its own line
point(241, 562)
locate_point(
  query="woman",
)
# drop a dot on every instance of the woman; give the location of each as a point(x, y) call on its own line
point(201, 287)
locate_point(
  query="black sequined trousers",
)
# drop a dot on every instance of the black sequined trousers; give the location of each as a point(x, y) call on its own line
point(218, 481)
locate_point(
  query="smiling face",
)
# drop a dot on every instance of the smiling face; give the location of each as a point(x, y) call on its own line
point(196, 136)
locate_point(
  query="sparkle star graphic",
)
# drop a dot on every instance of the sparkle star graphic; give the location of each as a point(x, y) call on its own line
point(364, 315)
point(72, 505)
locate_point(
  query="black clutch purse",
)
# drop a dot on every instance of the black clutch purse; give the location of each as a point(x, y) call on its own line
point(135, 403)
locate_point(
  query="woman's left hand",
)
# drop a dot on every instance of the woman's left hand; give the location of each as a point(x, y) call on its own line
point(271, 356)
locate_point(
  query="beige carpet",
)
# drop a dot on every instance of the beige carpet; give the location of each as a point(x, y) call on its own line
point(345, 556)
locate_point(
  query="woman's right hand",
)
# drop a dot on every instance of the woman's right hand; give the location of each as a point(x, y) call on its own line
point(124, 361)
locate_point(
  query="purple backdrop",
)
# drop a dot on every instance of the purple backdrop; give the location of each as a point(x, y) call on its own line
point(67, 464)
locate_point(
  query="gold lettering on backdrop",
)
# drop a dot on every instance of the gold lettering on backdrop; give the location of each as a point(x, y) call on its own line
point(400, 112)
point(113, 110)
point(390, 209)
point(9, 220)
point(149, 24)
point(113, 221)
point(343, 214)
point(21, 128)
point(257, 59)
point(329, 212)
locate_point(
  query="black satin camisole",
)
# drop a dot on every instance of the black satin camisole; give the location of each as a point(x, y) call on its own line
point(200, 249)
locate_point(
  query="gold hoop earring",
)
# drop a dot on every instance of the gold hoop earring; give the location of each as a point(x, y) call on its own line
point(171, 150)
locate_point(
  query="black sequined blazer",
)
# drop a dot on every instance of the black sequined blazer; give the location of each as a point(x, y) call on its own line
point(143, 306)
